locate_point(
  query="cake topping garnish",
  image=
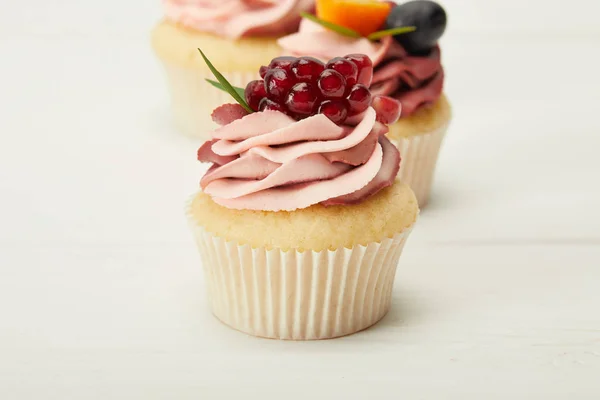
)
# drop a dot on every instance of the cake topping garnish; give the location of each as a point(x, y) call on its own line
point(305, 86)
point(356, 18)
point(223, 84)
point(427, 16)
point(363, 17)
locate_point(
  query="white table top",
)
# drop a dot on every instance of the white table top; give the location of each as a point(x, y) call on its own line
point(101, 290)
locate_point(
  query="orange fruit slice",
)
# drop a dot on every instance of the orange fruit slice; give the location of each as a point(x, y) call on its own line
point(363, 16)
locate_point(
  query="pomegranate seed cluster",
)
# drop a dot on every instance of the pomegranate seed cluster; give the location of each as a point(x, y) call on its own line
point(305, 86)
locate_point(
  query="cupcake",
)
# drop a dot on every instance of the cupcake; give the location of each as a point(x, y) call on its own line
point(401, 40)
point(236, 34)
point(300, 220)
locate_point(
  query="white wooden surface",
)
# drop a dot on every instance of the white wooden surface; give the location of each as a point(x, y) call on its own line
point(101, 295)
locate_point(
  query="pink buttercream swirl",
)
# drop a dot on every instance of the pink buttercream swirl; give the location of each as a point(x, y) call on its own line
point(238, 18)
point(413, 80)
point(271, 162)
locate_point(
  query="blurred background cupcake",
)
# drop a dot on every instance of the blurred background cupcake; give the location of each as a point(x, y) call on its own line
point(402, 42)
point(237, 35)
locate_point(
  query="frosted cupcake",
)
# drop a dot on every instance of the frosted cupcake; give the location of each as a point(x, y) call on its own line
point(407, 68)
point(301, 221)
point(237, 34)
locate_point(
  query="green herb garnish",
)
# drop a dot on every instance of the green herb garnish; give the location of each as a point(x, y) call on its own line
point(226, 86)
point(391, 32)
point(342, 30)
point(216, 84)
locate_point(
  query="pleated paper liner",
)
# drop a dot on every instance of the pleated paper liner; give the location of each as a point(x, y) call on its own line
point(419, 155)
point(298, 295)
point(193, 99)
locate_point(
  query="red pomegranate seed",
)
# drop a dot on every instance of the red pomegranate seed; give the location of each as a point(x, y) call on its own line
point(254, 93)
point(347, 68)
point(335, 110)
point(332, 84)
point(388, 109)
point(277, 84)
point(282, 63)
point(359, 99)
point(263, 71)
point(302, 99)
point(307, 69)
point(269, 105)
point(365, 68)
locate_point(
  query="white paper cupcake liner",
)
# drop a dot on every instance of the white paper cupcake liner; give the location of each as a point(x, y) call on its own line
point(419, 156)
point(298, 295)
point(193, 99)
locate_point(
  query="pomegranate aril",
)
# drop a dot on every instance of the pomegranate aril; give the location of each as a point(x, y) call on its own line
point(388, 109)
point(263, 71)
point(307, 69)
point(335, 110)
point(282, 63)
point(365, 68)
point(359, 99)
point(361, 60)
point(347, 68)
point(302, 99)
point(277, 84)
point(269, 105)
point(332, 84)
point(254, 93)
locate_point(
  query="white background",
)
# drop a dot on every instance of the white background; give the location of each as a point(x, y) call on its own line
point(101, 292)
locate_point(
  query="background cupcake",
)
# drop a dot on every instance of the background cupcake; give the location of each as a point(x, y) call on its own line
point(237, 34)
point(407, 68)
point(300, 221)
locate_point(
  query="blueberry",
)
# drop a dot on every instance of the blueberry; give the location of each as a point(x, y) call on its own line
point(427, 16)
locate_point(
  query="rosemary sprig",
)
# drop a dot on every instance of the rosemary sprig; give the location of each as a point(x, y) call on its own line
point(225, 84)
point(391, 32)
point(342, 30)
point(216, 84)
